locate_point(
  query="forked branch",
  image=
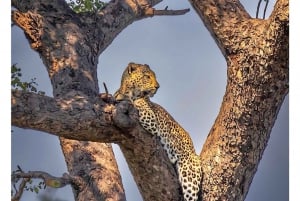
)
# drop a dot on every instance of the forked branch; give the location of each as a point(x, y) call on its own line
point(48, 180)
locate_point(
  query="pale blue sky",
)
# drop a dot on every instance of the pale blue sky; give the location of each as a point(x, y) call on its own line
point(192, 75)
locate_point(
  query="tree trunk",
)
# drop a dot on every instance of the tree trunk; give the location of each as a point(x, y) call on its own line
point(70, 44)
point(256, 52)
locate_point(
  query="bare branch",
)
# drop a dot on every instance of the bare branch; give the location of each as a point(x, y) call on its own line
point(19, 192)
point(257, 8)
point(265, 10)
point(105, 87)
point(51, 181)
point(152, 12)
point(63, 117)
point(106, 97)
point(132, 11)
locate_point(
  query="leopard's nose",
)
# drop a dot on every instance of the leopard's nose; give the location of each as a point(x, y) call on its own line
point(157, 85)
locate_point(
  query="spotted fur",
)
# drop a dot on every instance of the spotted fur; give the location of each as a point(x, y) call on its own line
point(138, 85)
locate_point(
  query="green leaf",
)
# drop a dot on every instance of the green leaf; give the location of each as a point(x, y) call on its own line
point(86, 5)
point(16, 82)
point(36, 190)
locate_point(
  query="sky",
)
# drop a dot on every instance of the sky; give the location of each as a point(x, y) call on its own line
point(192, 75)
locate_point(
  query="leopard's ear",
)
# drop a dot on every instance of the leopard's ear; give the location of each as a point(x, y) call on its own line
point(131, 67)
point(147, 66)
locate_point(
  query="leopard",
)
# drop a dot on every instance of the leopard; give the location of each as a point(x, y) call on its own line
point(138, 85)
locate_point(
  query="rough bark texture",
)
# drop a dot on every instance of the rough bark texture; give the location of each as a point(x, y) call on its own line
point(70, 44)
point(64, 117)
point(257, 57)
point(154, 175)
point(93, 163)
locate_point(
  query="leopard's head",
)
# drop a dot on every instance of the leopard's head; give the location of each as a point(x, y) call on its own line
point(138, 81)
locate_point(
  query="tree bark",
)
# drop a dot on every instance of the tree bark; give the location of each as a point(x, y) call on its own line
point(69, 44)
point(256, 52)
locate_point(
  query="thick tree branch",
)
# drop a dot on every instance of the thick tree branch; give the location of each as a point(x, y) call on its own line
point(257, 57)
point(144, 154)
point(63, 117)
point(221, 17)
point(69, 45)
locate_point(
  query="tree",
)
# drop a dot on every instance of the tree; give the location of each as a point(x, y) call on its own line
point(257, 90)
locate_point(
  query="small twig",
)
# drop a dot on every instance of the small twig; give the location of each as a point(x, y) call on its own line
point(257, 9)
point(265, 9)
point(105, 88)
point(19, 168)
point(267, 2)
point(19, 192)
point(54, 182)
point(151, 12)
point(106, 97)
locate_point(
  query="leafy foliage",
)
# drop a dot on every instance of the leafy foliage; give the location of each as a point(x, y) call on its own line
point(16, 82)
point(80, 6)
point(35, 188)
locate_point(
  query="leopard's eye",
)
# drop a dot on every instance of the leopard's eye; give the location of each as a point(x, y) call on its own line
point(147, 76)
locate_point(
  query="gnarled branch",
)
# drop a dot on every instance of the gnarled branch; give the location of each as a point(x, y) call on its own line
point(121, 126)
point(63, 117)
